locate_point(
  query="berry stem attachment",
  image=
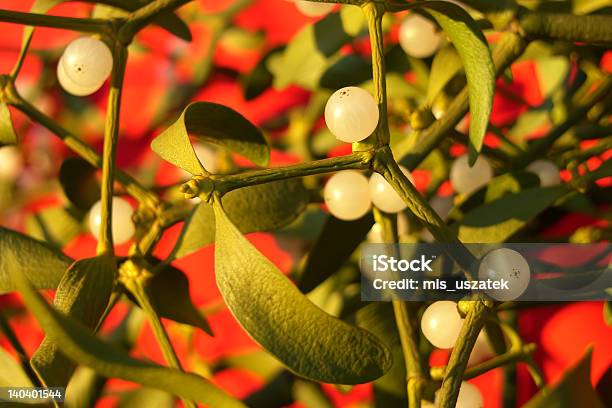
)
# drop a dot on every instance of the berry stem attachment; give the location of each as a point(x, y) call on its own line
point(111, 136)
point(374, 12)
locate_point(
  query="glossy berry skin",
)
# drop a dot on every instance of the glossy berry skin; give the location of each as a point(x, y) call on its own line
point(418, 36)
point(547, 171)
point(123, 226)
point(383, 195)
point(313, 9)
point(466, 179)
point(351, 114)
point(469, 396)
point(347, 195)
point(508, 264)
point(441, 324)
point(11, 163)
point(84, 66)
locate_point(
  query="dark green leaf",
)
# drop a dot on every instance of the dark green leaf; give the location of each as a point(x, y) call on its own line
point(337, 241)
point(107, 359)
point(261, 207)
point(350, 70)
point(78, 180)
point(446, 64)
point(256, 81)
point(168, 291)
point(211, 123)
point(82, 294)
point(7, 133)
point(56, 225)
point(269, 307)
point(499, 220)
point(42, 264)
point(472, 46)
point(574, 389)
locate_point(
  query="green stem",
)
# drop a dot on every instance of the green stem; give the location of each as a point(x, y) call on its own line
point(474, 321)
point(10, 335)
point(142, 17)
point(374, 13)
point(87, 25)
point(591, 29)
point(404, 318)
point(111, 137)
point(133, 187)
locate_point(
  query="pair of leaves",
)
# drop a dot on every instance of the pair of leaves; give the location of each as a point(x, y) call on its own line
point(261, 207)
point(210, 123)
point(269, 307)
point(82, 294)
point(78, 344)
point(42, 264)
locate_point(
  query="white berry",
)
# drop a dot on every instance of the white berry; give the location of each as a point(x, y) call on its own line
point(383, 194)
point(85, 64)
point(347, 195)
point(313, 9)
point(351, 114)
point(469, 396)
point(507, 264)
point(481, 351)
point(547, 171)
point(419, 37)
point(123, 226)
point(11, 163)
point(441, 324)
point(70, 86)
point(466, 179)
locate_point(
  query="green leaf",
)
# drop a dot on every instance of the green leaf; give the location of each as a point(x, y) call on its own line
point(7, 132)
point(275, 204)
point(258, 362)
point(169, 294)
point(40, 262)
point(269, 307)
point(446, 64)
point(56, 225)
point(78, 344)
point(256, 81)
point(82, 294)
point(147, 397)
point(12, 374)
point(211, 123)
point(607, 312)
point(337, 241)
point(311, 51)
point(498, 220)
point(78, 180)
point(574, 389)
point(472, 46)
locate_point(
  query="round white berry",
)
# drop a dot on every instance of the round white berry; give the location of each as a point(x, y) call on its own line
point(469, 396)
point(351, 114)
point(314, 9)
point(441, 324)
point(71, 87)
point(466, 179)
point(509, 265)
point(383, 194)
point(375, 234)
point(86, 63)
point(481, 351)
point(547, 171)
point(418, 36)
point(123, 226)
point(11, 163)
point(347, 195)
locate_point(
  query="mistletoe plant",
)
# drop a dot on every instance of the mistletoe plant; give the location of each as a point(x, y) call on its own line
point(370, 108)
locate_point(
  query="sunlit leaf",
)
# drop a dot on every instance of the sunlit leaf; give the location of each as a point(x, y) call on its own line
point(210, 123)
point(41, 263)
point(269, 307)
point(574, 389)
point(79, 345)
point(82, 294)
point(7, 132)
point(261, 207)
point(446, 64)
point(12, 374)
point(147, 397)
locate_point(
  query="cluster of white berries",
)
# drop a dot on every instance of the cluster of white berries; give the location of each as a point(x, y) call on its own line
point(349, 195)
point(84, 66)
point(123, 226)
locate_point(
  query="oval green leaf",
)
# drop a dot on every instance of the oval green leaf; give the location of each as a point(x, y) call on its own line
point(82, 294)
point(41, 263)
point(261, 207)
point(210, 123)
point(472, 46)
point(269, 307)
point(80, 345)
